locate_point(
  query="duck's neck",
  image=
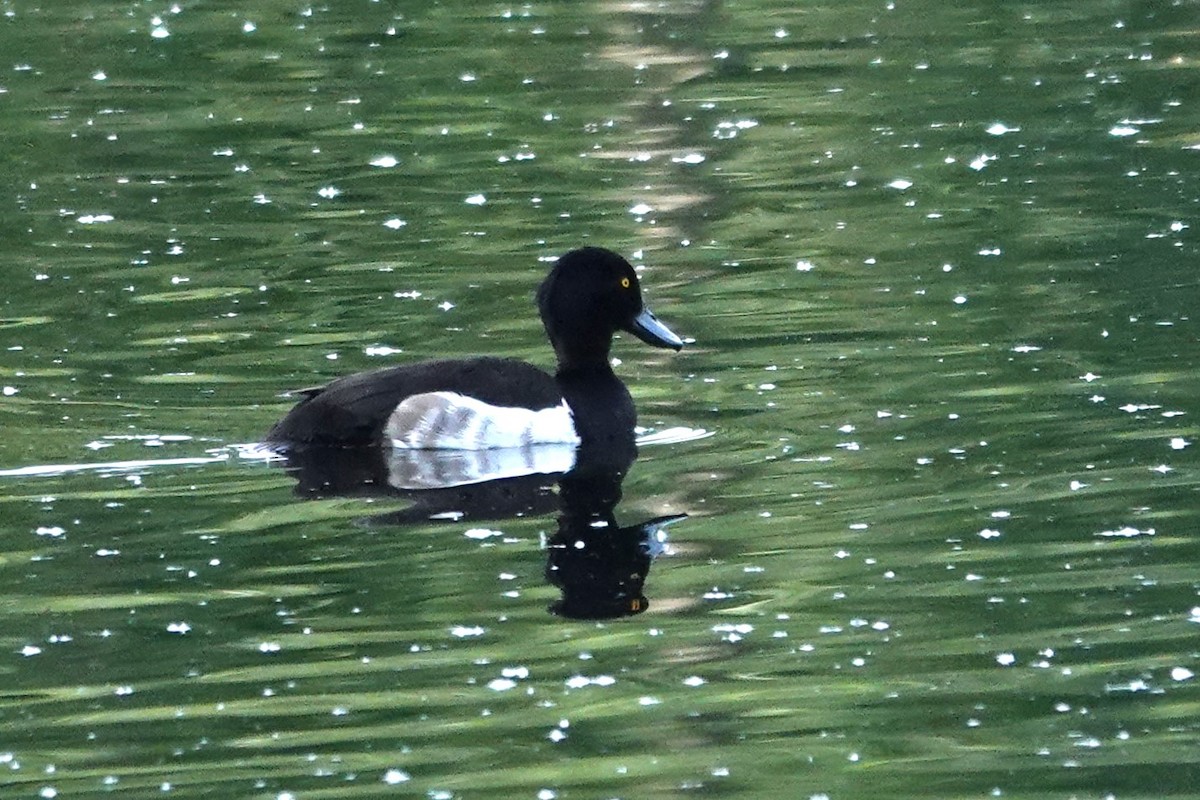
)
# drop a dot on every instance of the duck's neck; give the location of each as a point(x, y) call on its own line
point(584, 357)
point(591, 367)
point(602, 409)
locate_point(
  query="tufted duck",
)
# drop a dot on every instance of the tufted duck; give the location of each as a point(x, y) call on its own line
point(481, 403)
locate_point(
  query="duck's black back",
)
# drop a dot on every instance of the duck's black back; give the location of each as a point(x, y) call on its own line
point(353, 410)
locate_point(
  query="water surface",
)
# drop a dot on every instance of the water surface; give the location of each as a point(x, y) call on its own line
point(938, 264)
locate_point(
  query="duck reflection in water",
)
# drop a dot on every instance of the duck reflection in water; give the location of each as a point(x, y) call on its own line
point(599, 566)
point(486, 437)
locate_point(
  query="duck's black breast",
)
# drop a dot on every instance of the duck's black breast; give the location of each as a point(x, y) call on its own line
point(354, 410)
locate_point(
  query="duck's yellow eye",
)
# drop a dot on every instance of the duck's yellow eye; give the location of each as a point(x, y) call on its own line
point(624, 283)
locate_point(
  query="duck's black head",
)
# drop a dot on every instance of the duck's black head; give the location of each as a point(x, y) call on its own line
point(590, 294)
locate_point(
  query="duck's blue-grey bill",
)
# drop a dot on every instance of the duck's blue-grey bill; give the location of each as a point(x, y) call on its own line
point(646, 327)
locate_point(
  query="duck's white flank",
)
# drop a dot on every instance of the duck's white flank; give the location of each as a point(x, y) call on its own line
point(441, 469)
point(452, 421)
